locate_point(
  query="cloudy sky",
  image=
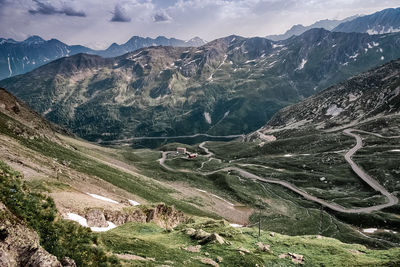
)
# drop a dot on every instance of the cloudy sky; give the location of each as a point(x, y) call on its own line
point(98, 23)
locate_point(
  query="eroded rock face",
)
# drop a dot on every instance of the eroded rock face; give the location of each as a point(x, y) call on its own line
point(165, 216)
point(19, 245)
point(125, 216)
point(95, 218)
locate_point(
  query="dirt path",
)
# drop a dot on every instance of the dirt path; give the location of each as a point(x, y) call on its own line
point(392, 200)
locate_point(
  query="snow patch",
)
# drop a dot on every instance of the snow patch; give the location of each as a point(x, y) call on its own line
point(382, 58)
point(395, 150)
point(288, 155)
point(9, 67)
point(354, 56)
point(333, 110)
point(383, 30)
point(103, 229)
point(203, 191)
point(207, 117)
point(103, 198)
point(277, 46)
point(133, 202)
point(235, 225)
point(82, 221)
point(370, 230)
point(302, 64)
point(77, 218)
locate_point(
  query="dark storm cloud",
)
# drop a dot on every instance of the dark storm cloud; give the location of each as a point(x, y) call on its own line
point(161, 16)
point(43, 8)
point(120, 14)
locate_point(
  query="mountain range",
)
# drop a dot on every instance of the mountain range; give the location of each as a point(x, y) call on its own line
point(232, 85)
point(21, 57)
point(299, 29)
point(385, 21)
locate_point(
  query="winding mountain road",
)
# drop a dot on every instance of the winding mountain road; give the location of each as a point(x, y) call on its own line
point(392, 200)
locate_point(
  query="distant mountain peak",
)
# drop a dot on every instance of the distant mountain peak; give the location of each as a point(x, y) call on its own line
point(34, 39)
point(298, 29)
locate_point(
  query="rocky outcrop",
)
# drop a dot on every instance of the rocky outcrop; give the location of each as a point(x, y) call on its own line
point(119, 217)
point(213, 238)
point(165, 216)
point(204, 237)
point(263, 247)
point(296, 258)
point(19, 245)
point(96, 218)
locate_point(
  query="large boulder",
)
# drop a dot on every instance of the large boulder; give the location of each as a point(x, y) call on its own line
point(95, 218)
point(213, 238)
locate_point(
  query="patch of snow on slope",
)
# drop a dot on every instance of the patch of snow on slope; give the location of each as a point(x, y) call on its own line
point(133, 202)
point(383, 31)
point(77, 218)
point(9, 67)
point(276, 46)
point(370, 230)
point(235, 225)
point(395, 150)
point(302, 64)
point(82, 221)
point(354, 56)
point(333, 110)
point(382, 58)
point(203, 191)
point(103, 229)
point(103, 198)
point(207, 117)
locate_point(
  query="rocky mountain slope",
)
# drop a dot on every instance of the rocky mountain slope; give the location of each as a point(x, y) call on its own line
point(299, 29)
point(385, 21)
point(372, 94)
point(72, 180)
point(228, 86)
point(21, 57)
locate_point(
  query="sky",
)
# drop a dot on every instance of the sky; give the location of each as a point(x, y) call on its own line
point(98, 23)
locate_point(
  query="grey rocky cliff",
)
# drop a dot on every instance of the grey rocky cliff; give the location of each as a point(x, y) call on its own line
point(19, 245)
